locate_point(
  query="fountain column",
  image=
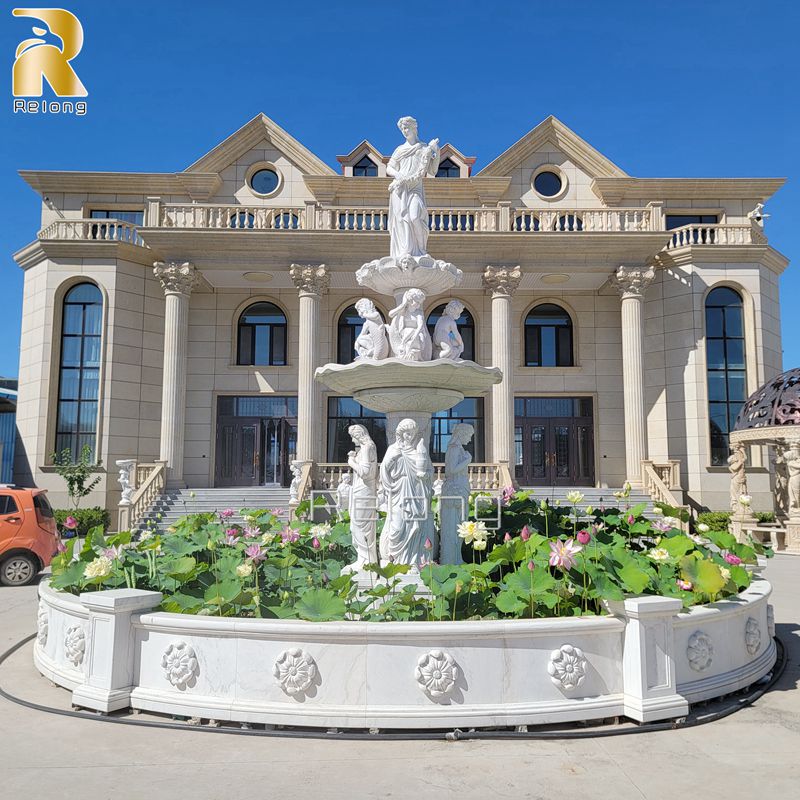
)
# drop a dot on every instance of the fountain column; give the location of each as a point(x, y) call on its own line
point(311, 282)
point(502, 282)
point(632, 282)
point(177, 280)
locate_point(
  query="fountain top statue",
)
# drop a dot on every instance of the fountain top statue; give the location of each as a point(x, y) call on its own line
point(408, 265)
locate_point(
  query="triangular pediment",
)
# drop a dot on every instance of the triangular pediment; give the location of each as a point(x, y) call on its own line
point(554, 134)
point(260, 128)
point(363, 148)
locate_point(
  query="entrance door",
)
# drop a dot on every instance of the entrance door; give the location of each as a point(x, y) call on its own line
point(554, 451)
point(280, 446)
point(239, 451)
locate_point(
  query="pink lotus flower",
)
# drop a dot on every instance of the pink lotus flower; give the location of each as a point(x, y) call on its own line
point(631, 519)
point(331, 547)
point(662, 526)
point(562, 554)
point(685, 585)
point(428, 544)
point(113, 553)
point(525, 534)
point(255, 553)
point(70, 523)
point(231, 536)
point(288, 535)
point(531, 566)
point(61, 547)
point(315, 543)
point(508, 494)
point(584, 537)
point(252, 531)
point(227, 513)
point(732, 559)
point(507, 537)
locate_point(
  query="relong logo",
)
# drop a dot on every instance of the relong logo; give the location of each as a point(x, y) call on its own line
point(47, 57)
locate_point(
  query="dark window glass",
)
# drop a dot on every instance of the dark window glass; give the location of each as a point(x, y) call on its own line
point(725, 364)
point(79, 383)
point(569, 222)
point(548, 337)
point(242, 219)
point(42, 506)
point(448, 169)
point(698, 236)
point(8, 505)
point(526, 222)
point(262, 336)
point(469, 410)
point(348, 330)
point(265, 181)
point(344, 412)
point(466, 327)
point(547, 183)
point(365, 168)
point(99, 231)
point(134, 217)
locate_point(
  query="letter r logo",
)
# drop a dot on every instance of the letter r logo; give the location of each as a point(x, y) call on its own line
point(48, 55)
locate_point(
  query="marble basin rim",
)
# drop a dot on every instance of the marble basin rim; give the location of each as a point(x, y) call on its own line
point(394, 384)
point(388, 275)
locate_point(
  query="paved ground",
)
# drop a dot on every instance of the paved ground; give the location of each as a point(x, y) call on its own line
point(749, 754)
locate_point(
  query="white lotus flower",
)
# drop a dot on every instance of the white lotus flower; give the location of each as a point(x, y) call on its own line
point(99, 568)
point(574, 498)
point(659, 554)
point(703, 528)
point(471, 531)
point(244, 570)
point(745, 499)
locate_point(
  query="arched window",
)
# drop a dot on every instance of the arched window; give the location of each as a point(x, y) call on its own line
point(262, 336)
point(448, 169)
point(79, 376)
point(548, 337)
point(348, 330)
point(365, 168)
point(466, 327)
point(725, 364)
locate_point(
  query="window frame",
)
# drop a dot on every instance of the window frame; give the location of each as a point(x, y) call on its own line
point(561, 174)
point(358, 165)
point(526, 359)
point(257, 167)
point(338, 329)
point(238, 324)
point(451, 165)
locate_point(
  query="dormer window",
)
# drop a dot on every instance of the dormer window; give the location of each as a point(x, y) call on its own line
point(365, 168)
point(448, 169)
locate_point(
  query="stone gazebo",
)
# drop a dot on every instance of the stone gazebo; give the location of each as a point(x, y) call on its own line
point(771, 416)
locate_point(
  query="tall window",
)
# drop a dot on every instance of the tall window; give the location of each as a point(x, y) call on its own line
point(469, 410)
point(79, 377)
point(548, 337)
point(344, 412)
point(727, 376)
point(466, 327)
point(365, 168)
point(348, 330)
point(262, 336)
point(448, 169)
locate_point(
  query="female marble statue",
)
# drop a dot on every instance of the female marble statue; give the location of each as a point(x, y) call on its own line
point(793, 469)
point(343, 490)
point(372, 341)
point(736, 462)
point(445, 335)
point(781, 479)
point(408, 333)
point(455, 492)
point(406, 478)
point(408, 214)
point(363, 493)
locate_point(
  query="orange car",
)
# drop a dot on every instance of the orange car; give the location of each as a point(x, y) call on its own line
point(28, 534)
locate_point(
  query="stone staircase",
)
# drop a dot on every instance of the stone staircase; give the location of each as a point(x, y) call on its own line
point(169, 507)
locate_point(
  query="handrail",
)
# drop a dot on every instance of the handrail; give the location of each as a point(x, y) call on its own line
point(232, 216)
point(303, 486)
point(656, 487)
point(483, 476)
point(92, 230)
point(716, 234)
point(149, 482)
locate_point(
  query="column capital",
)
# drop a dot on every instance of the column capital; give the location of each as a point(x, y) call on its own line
point(502, 281)
point(633, 281)
point(176, 277)
point(309, 278)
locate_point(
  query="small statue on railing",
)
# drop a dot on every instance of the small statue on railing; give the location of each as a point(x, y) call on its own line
point(372, 341)
point(125, 479)
point(446, 336)
point(408, 333)
point(296, 468)
point(343, 491)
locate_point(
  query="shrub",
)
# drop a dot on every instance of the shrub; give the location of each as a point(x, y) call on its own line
point(88, 518)
point(718, 520)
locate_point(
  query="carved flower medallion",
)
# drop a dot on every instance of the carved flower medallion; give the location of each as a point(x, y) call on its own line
point(567, 666)
point(752, 636)
point(179, 663)
point(42, 624)
point(436, 673)
point(295, 670)
point(700, 651)
point(75, 644)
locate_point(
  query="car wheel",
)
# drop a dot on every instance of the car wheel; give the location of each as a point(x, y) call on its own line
point(17, 570)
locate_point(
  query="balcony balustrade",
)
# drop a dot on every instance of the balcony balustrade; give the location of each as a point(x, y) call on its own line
point(106, 230)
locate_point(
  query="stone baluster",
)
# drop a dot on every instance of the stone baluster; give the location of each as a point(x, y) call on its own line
point(177, 280)
point(311, 283)
point(502, 282)
point(632, 282)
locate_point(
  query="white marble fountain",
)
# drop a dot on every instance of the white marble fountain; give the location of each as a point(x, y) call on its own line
point(647, 660)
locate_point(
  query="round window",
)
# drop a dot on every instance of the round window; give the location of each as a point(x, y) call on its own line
point(548, 184)
point(264, 181)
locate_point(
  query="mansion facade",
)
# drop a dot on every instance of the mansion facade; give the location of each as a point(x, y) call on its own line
point(172, 320)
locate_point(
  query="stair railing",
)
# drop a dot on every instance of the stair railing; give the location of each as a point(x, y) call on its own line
point(653, 480)
point(144, 483)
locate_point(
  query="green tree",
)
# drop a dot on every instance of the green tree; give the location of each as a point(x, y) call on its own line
point(77, 474)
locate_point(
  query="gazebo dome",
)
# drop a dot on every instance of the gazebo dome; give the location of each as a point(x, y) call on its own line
point(774, 404)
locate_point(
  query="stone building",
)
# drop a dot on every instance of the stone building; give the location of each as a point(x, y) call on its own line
point(631, 316)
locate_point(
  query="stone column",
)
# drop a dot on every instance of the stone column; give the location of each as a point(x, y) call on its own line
point(311, 282)
point(502, 282)
point(632, 282)
point(178, 281)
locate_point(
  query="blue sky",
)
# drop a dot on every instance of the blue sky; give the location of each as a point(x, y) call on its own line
point(664, 89)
